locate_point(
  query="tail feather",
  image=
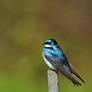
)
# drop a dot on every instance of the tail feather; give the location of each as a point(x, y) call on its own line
point(78, 76)
point(66, 73)
point(73, 71)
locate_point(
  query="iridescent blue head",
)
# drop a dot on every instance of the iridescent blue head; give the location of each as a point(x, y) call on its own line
point(51, 48)
point(50, 43)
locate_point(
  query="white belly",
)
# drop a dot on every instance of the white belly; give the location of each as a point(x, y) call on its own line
point(48, 63)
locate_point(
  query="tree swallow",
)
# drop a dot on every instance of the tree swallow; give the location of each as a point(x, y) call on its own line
point(56, 60)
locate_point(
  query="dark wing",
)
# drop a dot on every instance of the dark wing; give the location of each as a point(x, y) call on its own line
point(73, 71)
point(60, 67)
point(70, 68)
point(65, 72)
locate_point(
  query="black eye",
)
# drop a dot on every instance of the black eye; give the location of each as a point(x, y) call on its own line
point(47, 43)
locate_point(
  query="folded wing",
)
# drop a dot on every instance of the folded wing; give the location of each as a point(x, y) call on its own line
point(73, 71)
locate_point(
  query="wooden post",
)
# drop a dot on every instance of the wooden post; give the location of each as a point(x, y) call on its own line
point(53, 84)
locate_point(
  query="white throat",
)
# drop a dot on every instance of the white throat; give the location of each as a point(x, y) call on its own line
point(46, 45)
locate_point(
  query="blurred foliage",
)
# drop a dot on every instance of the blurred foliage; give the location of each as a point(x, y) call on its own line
point(24, 25)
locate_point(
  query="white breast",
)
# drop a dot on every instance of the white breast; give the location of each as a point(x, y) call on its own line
point(48, 63)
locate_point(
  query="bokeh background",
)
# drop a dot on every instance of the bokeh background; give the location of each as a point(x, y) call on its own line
point(25, 24)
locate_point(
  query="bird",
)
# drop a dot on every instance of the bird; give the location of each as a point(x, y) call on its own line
point(55, 58)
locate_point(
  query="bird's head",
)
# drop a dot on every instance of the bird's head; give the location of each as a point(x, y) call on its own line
point(50, 43)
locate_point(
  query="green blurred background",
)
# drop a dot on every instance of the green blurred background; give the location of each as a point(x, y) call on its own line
point(25, 24)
